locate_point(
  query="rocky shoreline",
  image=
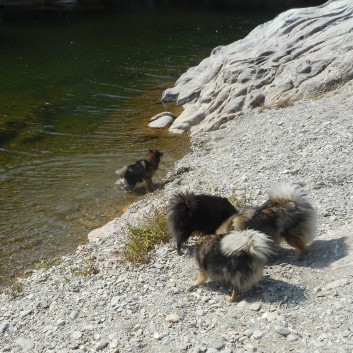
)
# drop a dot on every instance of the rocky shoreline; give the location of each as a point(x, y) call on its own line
point(298, 306)
point(92, 301)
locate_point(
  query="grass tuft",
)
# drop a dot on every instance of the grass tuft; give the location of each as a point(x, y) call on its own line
point(283, 103)
point(240, 201)
point(144, 237)
point(15, 289)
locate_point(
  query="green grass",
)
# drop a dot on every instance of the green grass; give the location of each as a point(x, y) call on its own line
point(143, 238)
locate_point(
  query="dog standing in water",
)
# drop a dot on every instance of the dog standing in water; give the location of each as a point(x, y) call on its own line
point(142, 170)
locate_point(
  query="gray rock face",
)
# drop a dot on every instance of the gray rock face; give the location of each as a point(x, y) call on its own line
point(302, 53)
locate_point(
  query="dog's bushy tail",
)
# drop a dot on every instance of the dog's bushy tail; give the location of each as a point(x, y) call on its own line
point(300, 211)
point(285, 192)
point(184, 202)
point(121, 171)
point(250, 241)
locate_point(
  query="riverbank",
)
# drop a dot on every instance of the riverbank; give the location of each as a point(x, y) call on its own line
point(92, 301)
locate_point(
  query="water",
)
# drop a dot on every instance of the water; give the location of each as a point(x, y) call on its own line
point(76, 92)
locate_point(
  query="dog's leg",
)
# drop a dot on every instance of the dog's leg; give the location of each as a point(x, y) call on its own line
point(149, 183)
point(299, 246)
point(200, 280)
point(233, 297)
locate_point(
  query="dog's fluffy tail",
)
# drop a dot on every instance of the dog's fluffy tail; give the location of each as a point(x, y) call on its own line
point(183, 201)
point(285, 192)
point(121, 171)
point(304, 214)
point(250, 241)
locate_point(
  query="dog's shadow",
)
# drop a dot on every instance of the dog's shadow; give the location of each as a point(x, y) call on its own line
point(267, 290)
point(320, 254)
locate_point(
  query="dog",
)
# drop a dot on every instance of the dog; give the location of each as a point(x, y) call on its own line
point(188, 212)
point(237, 258)
point(142, 170)
point(287, 215)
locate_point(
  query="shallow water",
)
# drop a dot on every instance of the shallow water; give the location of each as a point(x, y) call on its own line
point(76, 92)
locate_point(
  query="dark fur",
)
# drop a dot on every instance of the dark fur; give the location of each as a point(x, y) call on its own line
point(203, 213)
point(142, 170)
point(238, 260)
point(287, 215)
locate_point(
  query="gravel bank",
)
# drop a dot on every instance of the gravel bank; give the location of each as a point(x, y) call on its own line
point(302, 306)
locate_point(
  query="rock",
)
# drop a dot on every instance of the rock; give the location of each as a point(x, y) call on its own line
point(76, 335)
point(292, 338)
point(282, 330)
point(172, 318)
point(25, 313)
point(3, 327)
point(26, 344)
point(255, 307)
point(73, 314)
point(336, 284)
point(101, 345)
point(257, 334)
point(162, 120)
point(291, 57)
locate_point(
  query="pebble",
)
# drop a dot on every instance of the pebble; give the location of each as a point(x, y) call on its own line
point(282, 330)
point(76, 335)
point(172, 318)
point(73, 314)
point(25, 343)
point(257, 334)
point(255, 307)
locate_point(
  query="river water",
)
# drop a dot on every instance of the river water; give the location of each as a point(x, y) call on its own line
point(76, 91)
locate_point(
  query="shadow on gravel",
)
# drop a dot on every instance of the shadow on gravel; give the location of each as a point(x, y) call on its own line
point(268, 290)
point(321, 253)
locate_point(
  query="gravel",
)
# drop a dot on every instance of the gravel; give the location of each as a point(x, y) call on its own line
point(298, 306)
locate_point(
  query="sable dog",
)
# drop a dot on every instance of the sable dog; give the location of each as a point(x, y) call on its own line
point(287, 215)
point(237, 258)
point(144, 169)
point(203, 213)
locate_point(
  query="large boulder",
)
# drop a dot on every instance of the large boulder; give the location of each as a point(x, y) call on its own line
point(302, 53)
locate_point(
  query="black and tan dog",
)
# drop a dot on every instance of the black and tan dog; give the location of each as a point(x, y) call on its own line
point(190, 213)
point(237, 258)
point(142, 170)
point(287, 215)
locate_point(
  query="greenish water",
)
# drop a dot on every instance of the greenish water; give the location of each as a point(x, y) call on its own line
point(76, 92)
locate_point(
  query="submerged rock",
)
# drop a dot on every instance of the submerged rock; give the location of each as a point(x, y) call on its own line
point(302, 53)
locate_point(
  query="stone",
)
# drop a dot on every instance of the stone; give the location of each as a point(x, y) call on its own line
point(336, 284)
point(255, 307)
point(162, 122)
point(282, 330)
point(275, 63)
point(257, 334)
point(73, 314)
point(25, 343)
point(172, 318)
point(76, 335)
point(101, 345)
